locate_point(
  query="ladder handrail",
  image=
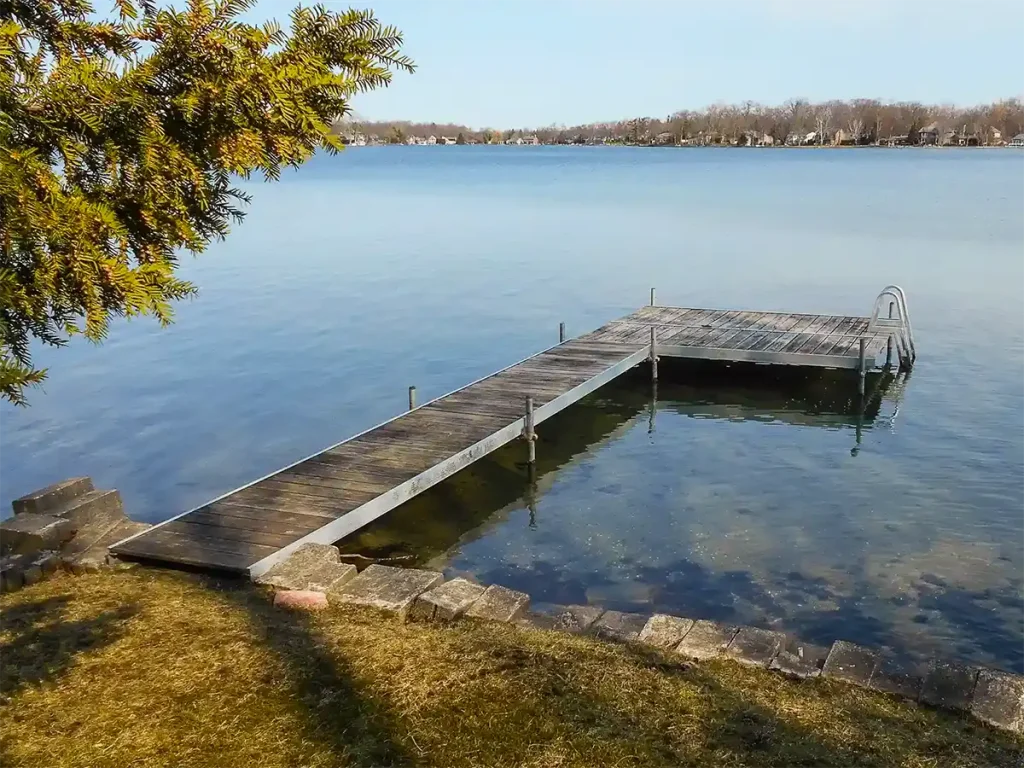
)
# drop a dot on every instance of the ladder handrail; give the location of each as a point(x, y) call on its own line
point(906, 338)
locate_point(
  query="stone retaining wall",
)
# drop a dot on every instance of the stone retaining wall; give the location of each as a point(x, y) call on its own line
point(316, 577)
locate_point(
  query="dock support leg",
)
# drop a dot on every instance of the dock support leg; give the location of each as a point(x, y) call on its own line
point(862, 366)
point(412, 398)
point(561, 333)
point(529, 433)
point(888, 343)
point(654, 356)
point(652, 297)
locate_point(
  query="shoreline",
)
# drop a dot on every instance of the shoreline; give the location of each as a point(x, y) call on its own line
point(702, 146)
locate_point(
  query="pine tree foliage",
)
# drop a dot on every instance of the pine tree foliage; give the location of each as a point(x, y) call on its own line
point(120, 142)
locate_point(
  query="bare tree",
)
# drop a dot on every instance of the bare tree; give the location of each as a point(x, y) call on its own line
point(822, 121)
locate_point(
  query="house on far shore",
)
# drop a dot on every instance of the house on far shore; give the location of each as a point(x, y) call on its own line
point(431, 140)
point(1017, 141)
point(665, 139)
point(963, 139)
point(446, 141)
point(928, 135)
point(995, 136)
point(810, 138)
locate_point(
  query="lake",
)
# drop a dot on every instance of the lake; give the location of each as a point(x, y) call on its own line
point(736, 494)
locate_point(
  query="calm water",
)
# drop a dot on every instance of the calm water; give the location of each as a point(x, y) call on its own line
point(362, 274)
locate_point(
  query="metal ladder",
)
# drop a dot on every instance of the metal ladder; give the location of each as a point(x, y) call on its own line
point(898, 325)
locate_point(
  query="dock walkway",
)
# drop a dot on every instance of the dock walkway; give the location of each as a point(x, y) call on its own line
point(339, 490)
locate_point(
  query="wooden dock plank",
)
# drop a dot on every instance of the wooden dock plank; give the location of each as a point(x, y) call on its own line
point(203, 532)
point(349, 484)
point(158, 544)
point(253, 518)
point(812, 341)
point(751, 325)
point(253, 497)
point(768, 329)
point(851, 329)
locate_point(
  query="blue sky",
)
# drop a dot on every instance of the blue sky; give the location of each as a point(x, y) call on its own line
point(515, 63)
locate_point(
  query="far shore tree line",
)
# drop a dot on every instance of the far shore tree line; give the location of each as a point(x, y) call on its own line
point(797, 122)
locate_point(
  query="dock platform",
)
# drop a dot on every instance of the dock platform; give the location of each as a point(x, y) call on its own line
point(337, 491)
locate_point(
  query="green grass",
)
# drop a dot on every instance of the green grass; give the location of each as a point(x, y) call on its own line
point(151, 668)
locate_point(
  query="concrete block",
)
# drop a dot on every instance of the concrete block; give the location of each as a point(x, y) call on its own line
point(52, 496)
point(576, 618)
point(898, 677)
point(11, 569)
point(103, 535)
point(300, 600)
point(664, 631)
point(31, 574)
point(799, 659)
point(755, 647)
point(90, 561)
point(534, 620)
point(999, 699)
point(88, 552)
point(706, 639)
point(385, 588)
point(29, 533)
point(48, 562)
point(122, 531)
point(618, 626)
point(447, 601)
point(93, 513)
point(948, 685)
point(851, 662)
point(315, 567)
point(499, 604)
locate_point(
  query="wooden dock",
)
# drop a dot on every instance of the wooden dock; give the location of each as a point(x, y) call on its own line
point(337, 491)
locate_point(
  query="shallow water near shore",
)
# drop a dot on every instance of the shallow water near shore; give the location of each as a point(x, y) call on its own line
point(750, 499)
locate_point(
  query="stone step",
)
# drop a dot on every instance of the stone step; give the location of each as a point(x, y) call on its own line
point(386, 588)
point(30, 532)
point(310, 568)
point(92, 510)
point(499, 604)
point(447, 601)
point(52, 496)
point(103, 534)
point(85, 556)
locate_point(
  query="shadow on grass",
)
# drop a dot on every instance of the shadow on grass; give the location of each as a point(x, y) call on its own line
point(730, 727)
point(44, 645)
point(362, 690)
point(358, 727)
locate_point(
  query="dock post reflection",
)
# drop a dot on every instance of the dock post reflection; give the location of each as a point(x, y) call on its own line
point(653, 406)
point(861, 404)
point(531, 494)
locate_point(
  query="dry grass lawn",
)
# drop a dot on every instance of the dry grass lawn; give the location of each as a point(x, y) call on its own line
point(153, 668)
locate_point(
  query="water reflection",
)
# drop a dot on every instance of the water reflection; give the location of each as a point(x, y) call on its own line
point(729, 492)
point(489, 492)
point(486, 494)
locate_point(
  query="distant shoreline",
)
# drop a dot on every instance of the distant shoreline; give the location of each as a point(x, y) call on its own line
point(931, 147)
